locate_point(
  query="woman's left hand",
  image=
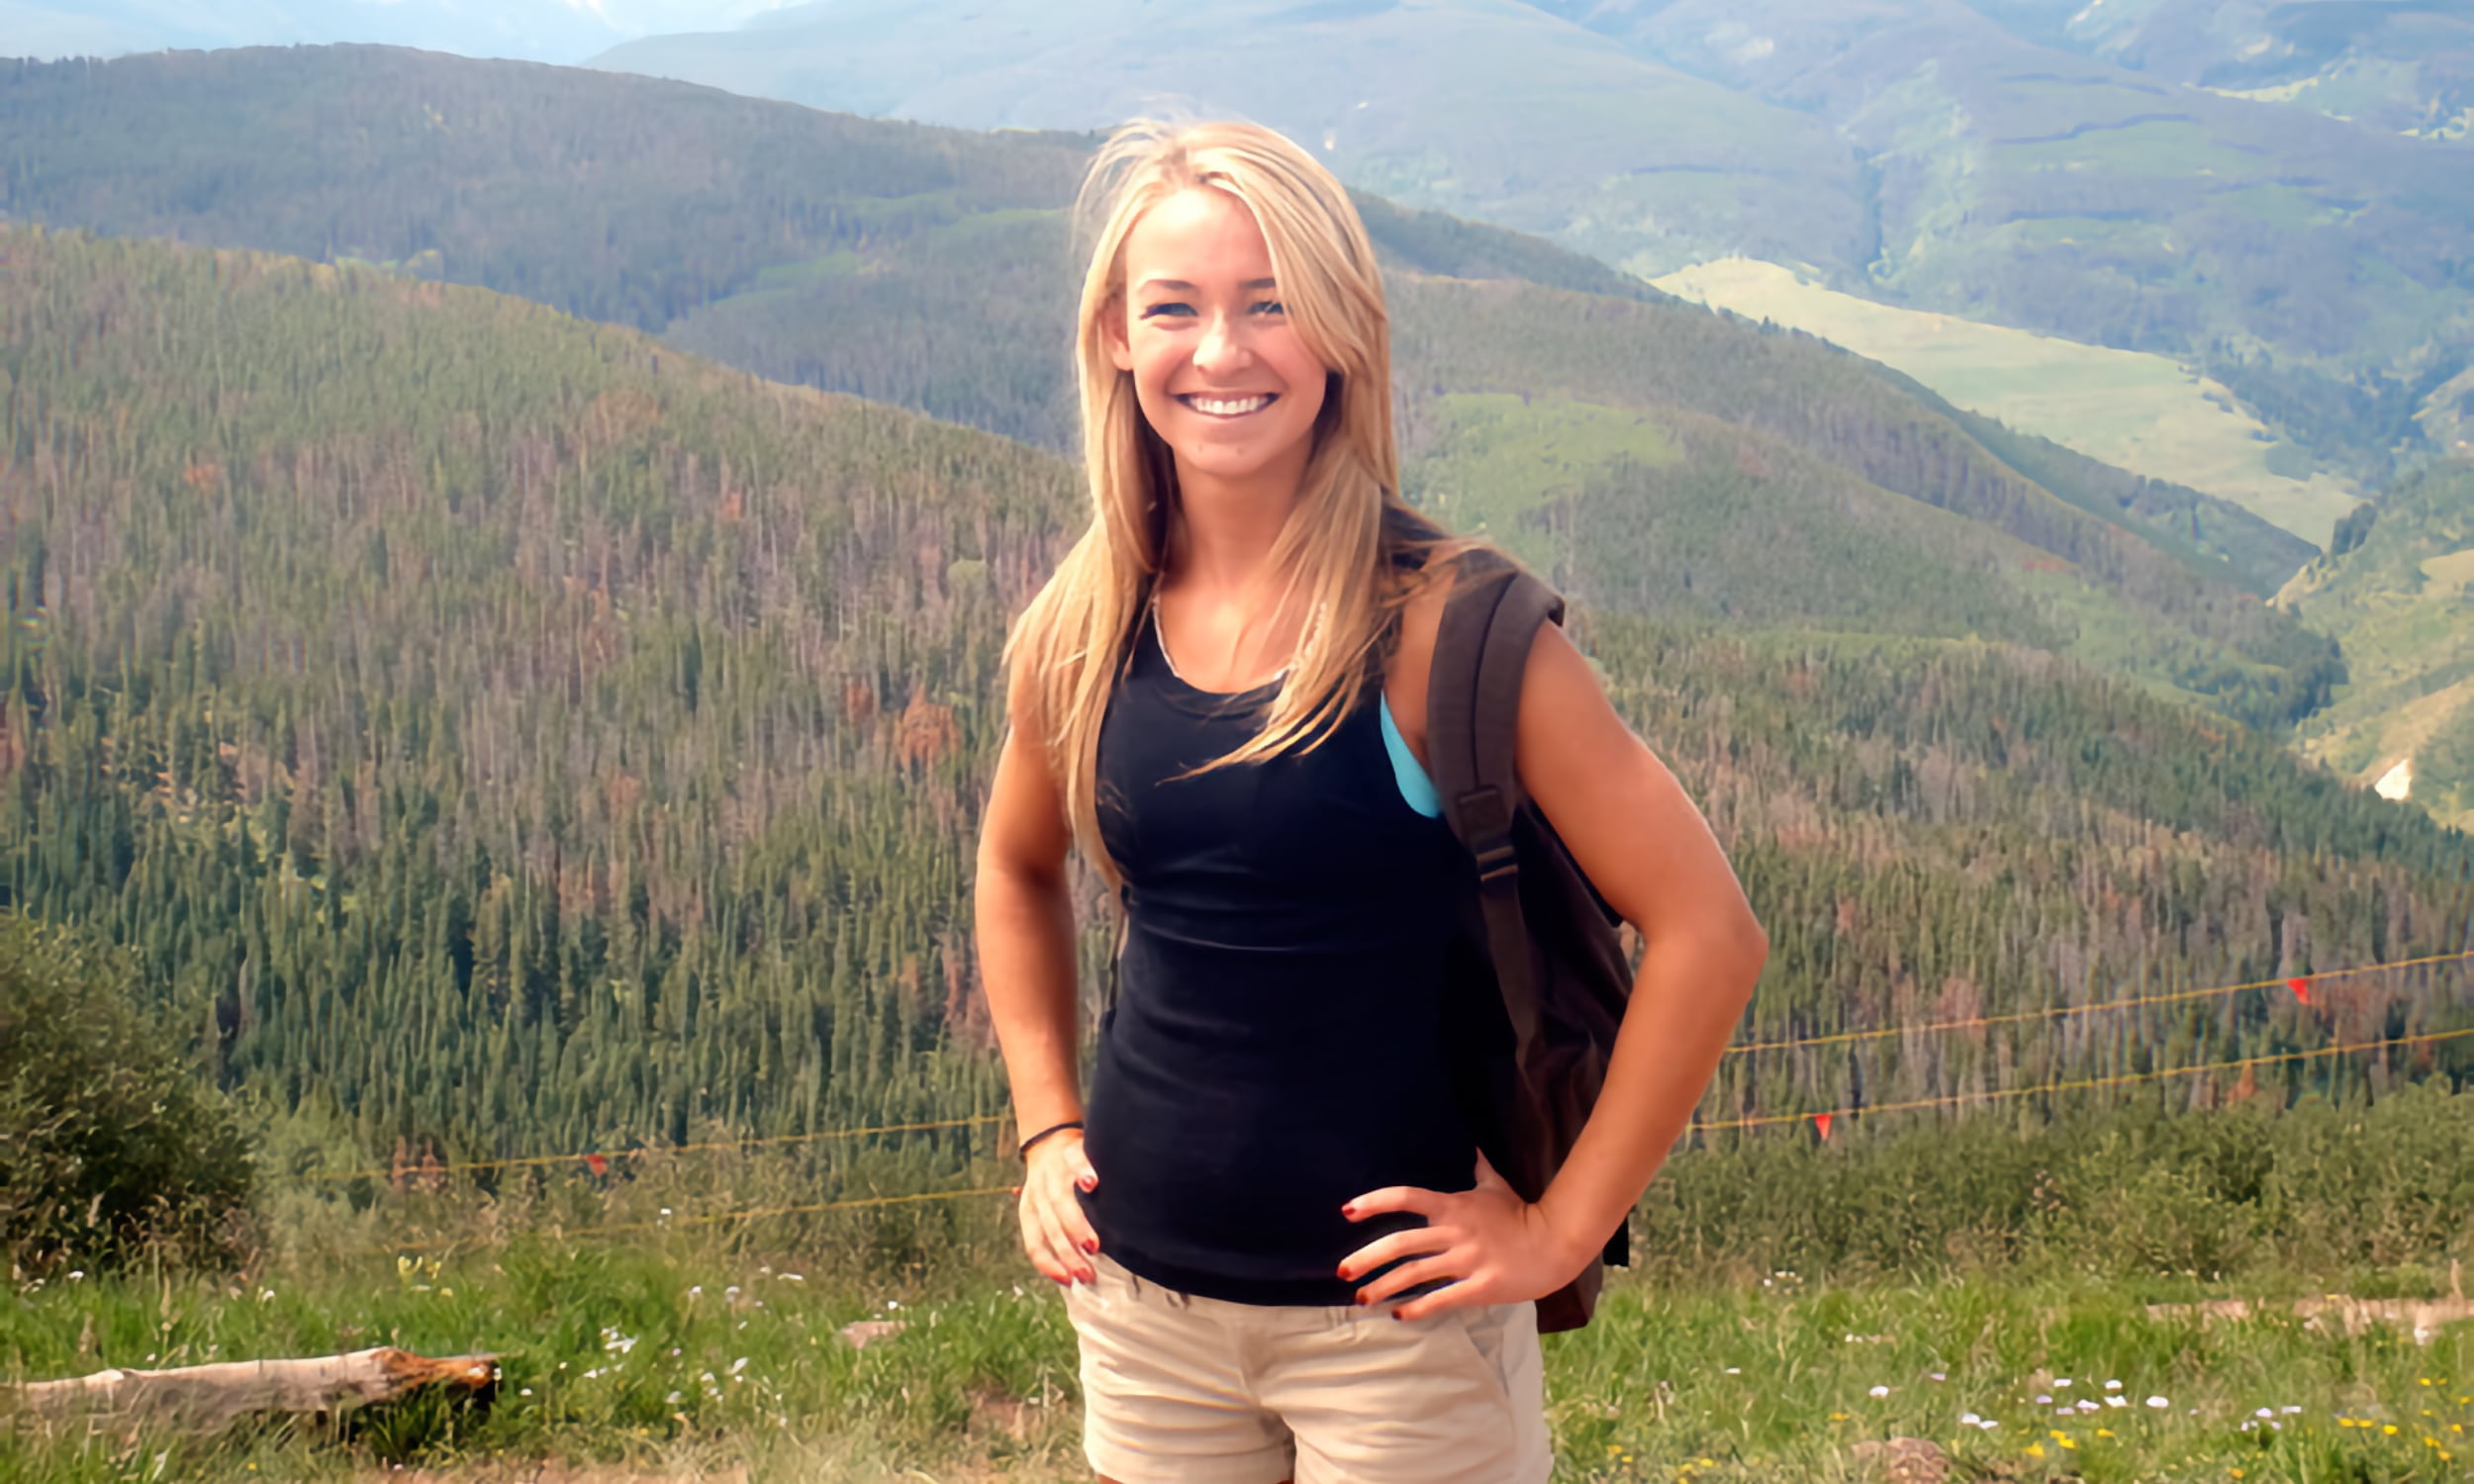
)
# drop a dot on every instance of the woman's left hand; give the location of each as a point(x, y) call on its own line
point(1486, 1245)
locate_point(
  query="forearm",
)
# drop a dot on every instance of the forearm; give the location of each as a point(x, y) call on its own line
point(1687, 1001)
point(1025, 928)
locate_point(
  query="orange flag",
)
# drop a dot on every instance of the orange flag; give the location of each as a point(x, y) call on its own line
point(1822, 1122)
point(2300, 988)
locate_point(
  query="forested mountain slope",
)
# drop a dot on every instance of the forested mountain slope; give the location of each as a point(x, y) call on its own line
point(509, 731)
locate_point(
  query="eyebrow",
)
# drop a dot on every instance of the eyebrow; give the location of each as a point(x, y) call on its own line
point(1181, 286)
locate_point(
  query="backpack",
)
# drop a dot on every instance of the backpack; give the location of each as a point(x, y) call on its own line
point(1540, 976)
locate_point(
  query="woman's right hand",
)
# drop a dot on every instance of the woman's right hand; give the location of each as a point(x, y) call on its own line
point(1056, 1234)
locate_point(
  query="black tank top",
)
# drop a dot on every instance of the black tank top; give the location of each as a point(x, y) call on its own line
point(1278, 1042)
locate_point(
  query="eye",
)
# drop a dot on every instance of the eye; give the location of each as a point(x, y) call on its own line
point(1170, 307)
point(1271, 307)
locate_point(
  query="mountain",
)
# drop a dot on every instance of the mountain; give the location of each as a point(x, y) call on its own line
point(501, 730)
point(930, 269)
point(1483, 108)
point(1921, 152)
point(551, 31)
point(2402, 65)
point(2397, 592)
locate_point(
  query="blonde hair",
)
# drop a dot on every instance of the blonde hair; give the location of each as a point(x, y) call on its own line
point(1342, 543)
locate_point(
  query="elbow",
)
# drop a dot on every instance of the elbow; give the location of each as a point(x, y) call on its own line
point(1749, 947)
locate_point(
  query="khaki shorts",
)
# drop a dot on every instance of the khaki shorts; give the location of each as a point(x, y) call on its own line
point(1178, 1389)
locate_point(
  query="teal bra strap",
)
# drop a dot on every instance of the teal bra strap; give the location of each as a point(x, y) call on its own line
point(1416, 790)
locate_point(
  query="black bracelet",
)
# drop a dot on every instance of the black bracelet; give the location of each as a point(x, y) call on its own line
point(1024, 1148)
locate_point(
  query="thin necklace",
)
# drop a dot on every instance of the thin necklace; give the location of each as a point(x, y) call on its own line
point(1158, 636)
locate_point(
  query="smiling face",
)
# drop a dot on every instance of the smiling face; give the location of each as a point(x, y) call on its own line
point(1219, 371)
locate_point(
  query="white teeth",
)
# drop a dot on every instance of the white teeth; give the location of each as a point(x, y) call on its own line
point(1228, 408)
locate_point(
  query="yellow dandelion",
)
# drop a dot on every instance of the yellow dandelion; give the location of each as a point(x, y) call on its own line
point(2103, 1432)
point(2036, 1450)
point(2390, 1430)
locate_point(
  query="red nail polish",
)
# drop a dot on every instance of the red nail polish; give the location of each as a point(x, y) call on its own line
point(1361, 1298)
point(1396, 1314)
point(1092, 1246)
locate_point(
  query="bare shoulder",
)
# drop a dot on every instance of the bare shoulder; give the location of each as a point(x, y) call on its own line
point(1413, 656)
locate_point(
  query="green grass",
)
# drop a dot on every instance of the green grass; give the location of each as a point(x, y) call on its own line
point(1791, 1301)
point(633, 1355)
point(2141, 411)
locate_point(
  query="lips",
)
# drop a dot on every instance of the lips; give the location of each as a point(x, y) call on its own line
point(1227, 407)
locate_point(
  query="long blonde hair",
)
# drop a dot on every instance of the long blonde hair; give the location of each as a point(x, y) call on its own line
point(1342, 542)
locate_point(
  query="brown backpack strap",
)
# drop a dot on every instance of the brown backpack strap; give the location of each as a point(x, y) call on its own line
point(1473, 710)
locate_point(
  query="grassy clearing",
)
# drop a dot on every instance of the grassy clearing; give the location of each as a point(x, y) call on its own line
point(1793, 1303)
point(626, 1360)
point(2139, 412)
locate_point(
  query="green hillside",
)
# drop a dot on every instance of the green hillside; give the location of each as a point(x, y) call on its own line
point(913, 266)
point(508, 733)
point(2398, 594)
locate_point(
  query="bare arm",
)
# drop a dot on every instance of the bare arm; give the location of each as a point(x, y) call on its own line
point(1651, 853)
point(1646, 848)
point(1025, 937)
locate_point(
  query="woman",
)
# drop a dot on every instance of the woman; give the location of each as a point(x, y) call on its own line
point(1283, 1257)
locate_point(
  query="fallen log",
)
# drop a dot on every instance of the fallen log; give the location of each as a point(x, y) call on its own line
point(208, 1397)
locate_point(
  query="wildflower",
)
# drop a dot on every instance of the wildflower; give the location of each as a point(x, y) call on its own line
point(2064, 1382)
point(2115, 1401)
point(2036, 1450)
point(526, 1391)
point(2043, 1401)
point(1879, 1392)
point(1735, 1370)
point(2158, 1402)
point(2103, 1432)
point(2113, 1385)
point(1969, 1418)
point(739, 1365)
point(791, 1277)
point(1939, 1375)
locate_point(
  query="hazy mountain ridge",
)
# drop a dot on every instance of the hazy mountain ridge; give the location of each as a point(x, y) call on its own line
point(2404, 66)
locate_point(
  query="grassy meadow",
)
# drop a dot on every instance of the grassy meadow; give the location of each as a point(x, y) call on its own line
point(639, 1337)
point(2137, 410)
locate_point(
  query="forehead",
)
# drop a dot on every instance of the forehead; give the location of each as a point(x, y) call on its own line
point(1199, 234)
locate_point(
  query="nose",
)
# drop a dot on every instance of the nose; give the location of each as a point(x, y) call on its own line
point(1223, 346)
